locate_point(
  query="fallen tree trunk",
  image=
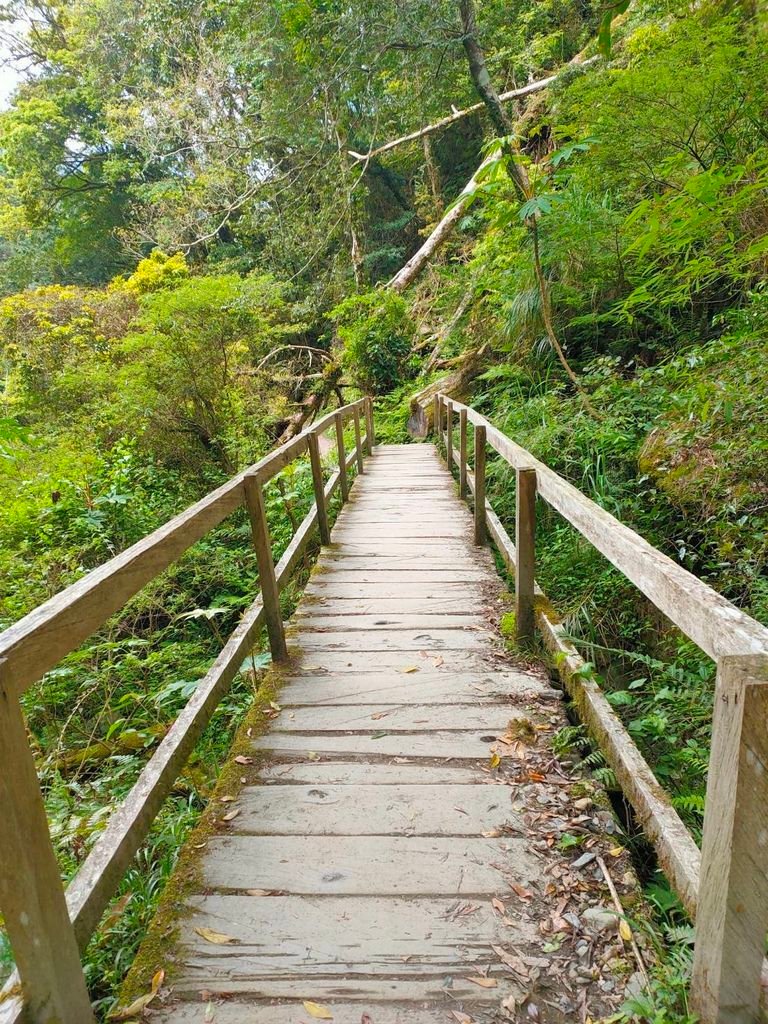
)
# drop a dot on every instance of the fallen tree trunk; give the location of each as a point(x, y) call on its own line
point(454, 384)
point(411, 270)
point(458, 115)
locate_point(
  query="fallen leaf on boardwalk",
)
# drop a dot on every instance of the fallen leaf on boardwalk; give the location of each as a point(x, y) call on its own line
point(218, 938)
point(366, 1019)
point(232, 815)
point(411, 668)
point(210, 1014)
point(138, 1005)
point(380, 714)
point(462, 1018)
point(616, 851)
point(226, 799)
point(265, 892)
point(439, 661)
point(242, 759)
point(495, 761)
point(317, 1011)
point(625, 931)
point(313, 755)
point(492, 833)
point(379, 735)
point(536, 777)
point(483, 982)
point(498, 906)
point(520, 892)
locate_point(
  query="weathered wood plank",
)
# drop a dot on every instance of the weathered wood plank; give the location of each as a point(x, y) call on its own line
point(408, 662)
point(396, 640)
point(311, 620)
point(447, 810)
point(233, 1012)
point(392, 718)
point(381, 688)
point(284, 774)
point(370, 865)
point(437, 746)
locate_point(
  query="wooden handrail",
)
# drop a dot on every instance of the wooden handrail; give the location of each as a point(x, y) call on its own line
point(725, 887)
point(32, 900)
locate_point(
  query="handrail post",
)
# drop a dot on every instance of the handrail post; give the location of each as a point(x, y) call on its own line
point(31, 894)
point(319, 487)
point(732, 912)
point(462, 453)
point(343, 480)
point(370, 436)
point(480, 485)
point(358, 440)
point(270, 595)
point(436, 418)
point(449, 435)
point(525, 553)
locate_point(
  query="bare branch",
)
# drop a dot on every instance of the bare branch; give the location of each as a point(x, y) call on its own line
point(457, 115)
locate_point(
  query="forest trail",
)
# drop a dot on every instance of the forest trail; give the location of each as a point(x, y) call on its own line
point(393, 856)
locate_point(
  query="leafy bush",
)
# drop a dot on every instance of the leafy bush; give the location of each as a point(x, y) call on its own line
point(377, 332)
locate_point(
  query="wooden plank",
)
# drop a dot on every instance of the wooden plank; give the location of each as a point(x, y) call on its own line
point(404, 576)
point(459, 604)
point(319, 488)
point(374, 591)
point(435, 746)
point(342, 457)
point(479, 475)
point(311, 620)
point(386, 717)
point(270, 595)
point(366, 990)
point(733, 894)
point(405, 937)
point(447, 810)
point(233, 1012)
point(370, 865)
point(376, 688)
point(284, 774)
point(31, 895)
point(408, 662)
point(358, 441)
point(462, 453)
point(370, 436)
point(395, 640)
point(525, 552)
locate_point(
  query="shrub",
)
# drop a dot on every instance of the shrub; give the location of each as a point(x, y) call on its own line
point(376, 332)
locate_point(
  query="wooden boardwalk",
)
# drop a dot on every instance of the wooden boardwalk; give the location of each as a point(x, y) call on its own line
point(395, 859)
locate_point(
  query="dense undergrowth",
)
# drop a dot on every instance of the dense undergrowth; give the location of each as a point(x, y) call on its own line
point(193, 263)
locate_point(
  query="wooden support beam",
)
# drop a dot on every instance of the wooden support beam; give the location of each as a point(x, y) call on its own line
point(436, 417)
point(525, 534)
point(462, 453)
point(449, 434)
point(732, 916)
point(480, 531)
point(254, 500)
point(370, 430)
point(31, 894)
point(319, 486)
point(358, 440)
point(343, 478)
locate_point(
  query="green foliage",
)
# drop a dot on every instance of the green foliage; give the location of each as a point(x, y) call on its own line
point(377, 334)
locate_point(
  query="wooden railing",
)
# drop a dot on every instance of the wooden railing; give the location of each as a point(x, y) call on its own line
point(47, 927)
point(724, 886)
